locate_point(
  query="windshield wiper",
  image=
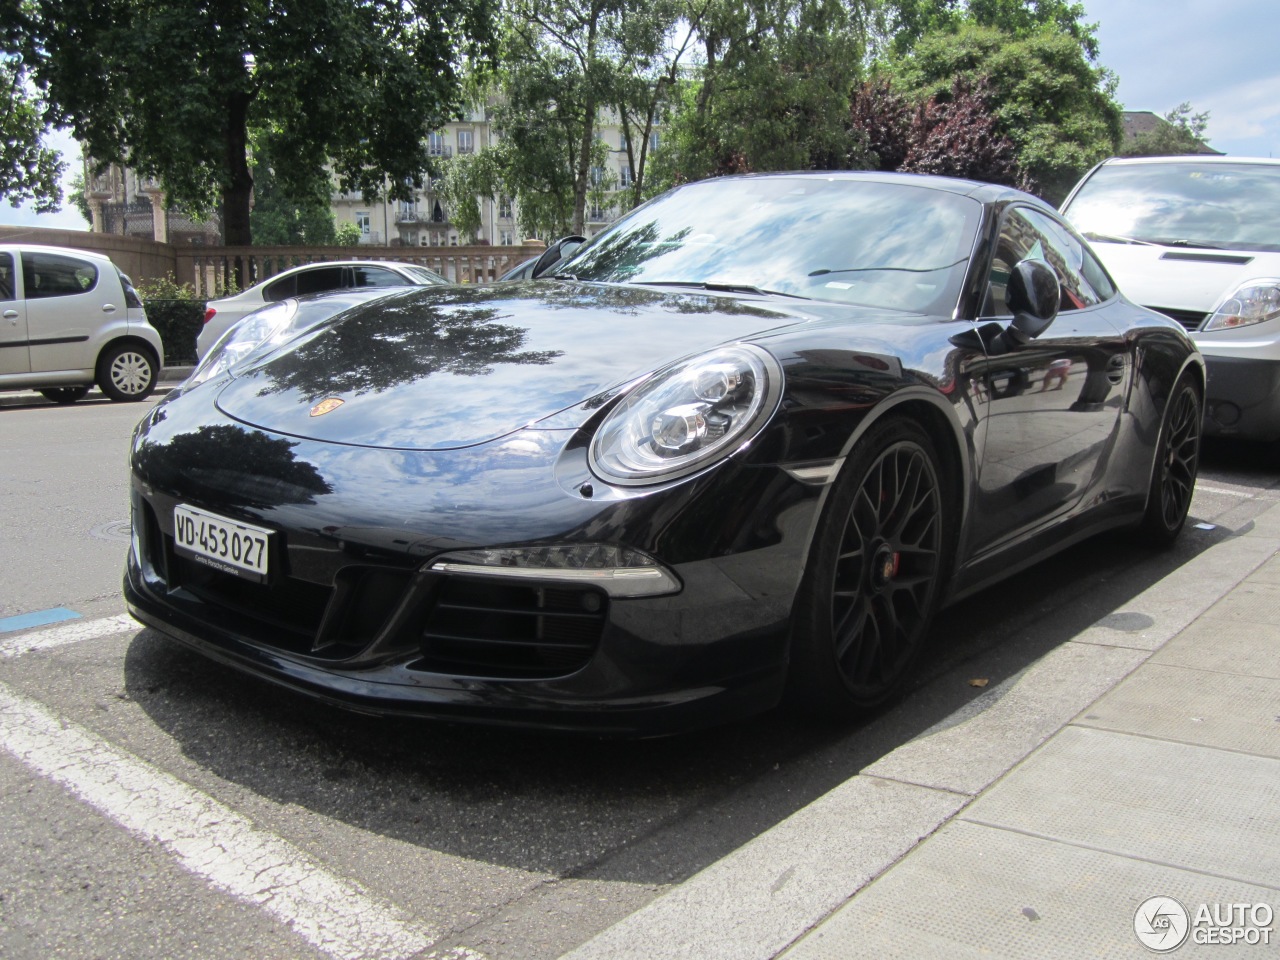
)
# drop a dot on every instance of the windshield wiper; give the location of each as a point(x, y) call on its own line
point(722, 287)
point(1116, 238)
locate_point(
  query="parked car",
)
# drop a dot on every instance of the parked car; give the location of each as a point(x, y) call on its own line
point(1198, 238)
point(70, 319)
point(743, 445)
point(310, 278)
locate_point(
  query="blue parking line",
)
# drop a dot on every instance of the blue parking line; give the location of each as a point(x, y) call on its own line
point(38, 619)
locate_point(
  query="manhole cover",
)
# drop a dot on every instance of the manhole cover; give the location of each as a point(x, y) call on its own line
point(117, 531)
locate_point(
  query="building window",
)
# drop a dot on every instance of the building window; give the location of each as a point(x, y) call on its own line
point(506, 238)
point(653, 142)
point(624, 176)
point(466, 141)
point(597, 213)
point(363, 222)
point(597, 176)
point(436, 146)
point(504, 207)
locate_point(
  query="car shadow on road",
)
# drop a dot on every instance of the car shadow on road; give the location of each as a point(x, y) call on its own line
point(639, 811)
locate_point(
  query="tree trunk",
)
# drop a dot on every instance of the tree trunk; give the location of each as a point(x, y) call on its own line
point(237, 196)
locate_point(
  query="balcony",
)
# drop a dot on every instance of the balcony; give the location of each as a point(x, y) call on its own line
point(410, 215)
point(439, 150)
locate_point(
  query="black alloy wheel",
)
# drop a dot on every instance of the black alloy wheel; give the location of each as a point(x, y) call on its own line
point(1177, 460)
point(873, 582)
point(65, 394)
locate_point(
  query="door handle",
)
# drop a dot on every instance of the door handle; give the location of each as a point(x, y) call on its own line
point(11, 316)
point(108, 308)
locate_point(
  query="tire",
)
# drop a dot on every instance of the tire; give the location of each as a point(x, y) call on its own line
point(127, 372)
point(1173, 475)
point(874, 575)
point(65, 395)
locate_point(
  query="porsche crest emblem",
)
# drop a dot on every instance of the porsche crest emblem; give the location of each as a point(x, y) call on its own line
point(327, 405)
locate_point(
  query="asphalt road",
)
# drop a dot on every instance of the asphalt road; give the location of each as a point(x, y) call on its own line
point(419, 839)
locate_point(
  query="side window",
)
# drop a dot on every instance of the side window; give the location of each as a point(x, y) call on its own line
point(319, 280)
point(6, 276)
point(282, 288)
point(53, 275)
point(1097, 276)
point(378, 277)
point(1029, 235)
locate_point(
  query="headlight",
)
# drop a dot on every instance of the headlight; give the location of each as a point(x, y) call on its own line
point(265, 327)
point(1254, 301)
point(688, 415)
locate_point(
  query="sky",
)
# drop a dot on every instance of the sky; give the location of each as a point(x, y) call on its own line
point(1218, 55)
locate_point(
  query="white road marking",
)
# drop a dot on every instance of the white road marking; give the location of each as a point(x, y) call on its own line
point(1226, 491)
point(73, 632)
point(209, 839)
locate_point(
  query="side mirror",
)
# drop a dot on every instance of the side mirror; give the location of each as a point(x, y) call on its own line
point(562, 249)
point(1033, 294)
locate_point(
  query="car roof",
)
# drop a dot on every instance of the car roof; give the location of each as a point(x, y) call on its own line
point(49, 248)
point(978, 190)
point(1189, 158)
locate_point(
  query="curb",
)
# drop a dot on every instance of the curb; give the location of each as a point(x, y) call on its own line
point(766, 895)
point(169, 378)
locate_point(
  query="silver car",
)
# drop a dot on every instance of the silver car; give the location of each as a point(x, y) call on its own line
point(70, 319)
point(309, 278)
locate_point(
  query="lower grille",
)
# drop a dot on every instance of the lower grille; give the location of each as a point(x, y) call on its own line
point(1190, 319)
point(485, 628)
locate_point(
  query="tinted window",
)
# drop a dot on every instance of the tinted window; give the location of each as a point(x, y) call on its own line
point(1027, 234)
point(319, 280)
point(54, 275)
point(863, 241)
point(378, 277)
point(1228, 205)
point(6, 276)
point(282, 288)
point(131, 297)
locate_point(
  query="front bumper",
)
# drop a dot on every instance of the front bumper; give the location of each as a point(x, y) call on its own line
point(1243, 398)
point(356, 616)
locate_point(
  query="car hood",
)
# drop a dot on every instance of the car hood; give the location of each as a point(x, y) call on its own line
point(1182, 279)
point(443, 368)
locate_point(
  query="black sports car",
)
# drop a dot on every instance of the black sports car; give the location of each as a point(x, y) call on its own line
point(742, 445)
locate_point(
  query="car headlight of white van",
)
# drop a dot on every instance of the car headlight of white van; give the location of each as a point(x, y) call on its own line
point(1254, 301)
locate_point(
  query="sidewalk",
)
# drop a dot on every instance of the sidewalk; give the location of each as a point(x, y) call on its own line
point(1141, 759)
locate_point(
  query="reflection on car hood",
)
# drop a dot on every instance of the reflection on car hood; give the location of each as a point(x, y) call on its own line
point(1182, 278)
point(442, 368)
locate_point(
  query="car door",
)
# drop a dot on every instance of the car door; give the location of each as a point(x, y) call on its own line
point(1053, 403)
point(67, 303)
point(15, 356)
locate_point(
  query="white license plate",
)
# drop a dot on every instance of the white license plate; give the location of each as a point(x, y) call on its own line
point(227, 545)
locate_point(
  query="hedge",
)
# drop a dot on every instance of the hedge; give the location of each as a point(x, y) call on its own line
point(179, 323)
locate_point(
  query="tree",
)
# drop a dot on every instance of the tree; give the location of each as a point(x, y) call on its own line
point(173, 89)
point(282, 218)
point(773, 89)
point(1056, 107)
point(29, 170)
point(1181, 132)
point(909, 20)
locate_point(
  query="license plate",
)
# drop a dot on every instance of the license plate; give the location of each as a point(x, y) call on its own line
point(228, 545)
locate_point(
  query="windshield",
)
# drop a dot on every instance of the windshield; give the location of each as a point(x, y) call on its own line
point(893, 245)
point(1230, 206)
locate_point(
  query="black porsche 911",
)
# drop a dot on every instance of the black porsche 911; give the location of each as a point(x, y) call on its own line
point(740, 447)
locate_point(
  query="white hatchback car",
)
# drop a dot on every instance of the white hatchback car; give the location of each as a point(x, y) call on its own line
point(310, 278)
point(70, 319)
point(1198, 239)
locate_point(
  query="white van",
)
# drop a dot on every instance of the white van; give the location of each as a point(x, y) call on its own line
point(70, 319)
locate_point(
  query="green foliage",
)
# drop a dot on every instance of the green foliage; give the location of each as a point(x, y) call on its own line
point(346, 235)
point(1182, 132)
point(909, 20)
point(773, 93)
point(29, 170)
point(464, 179)
point(172, 89)
point(1047, 98)
point(288, 212)
point(176, 313)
